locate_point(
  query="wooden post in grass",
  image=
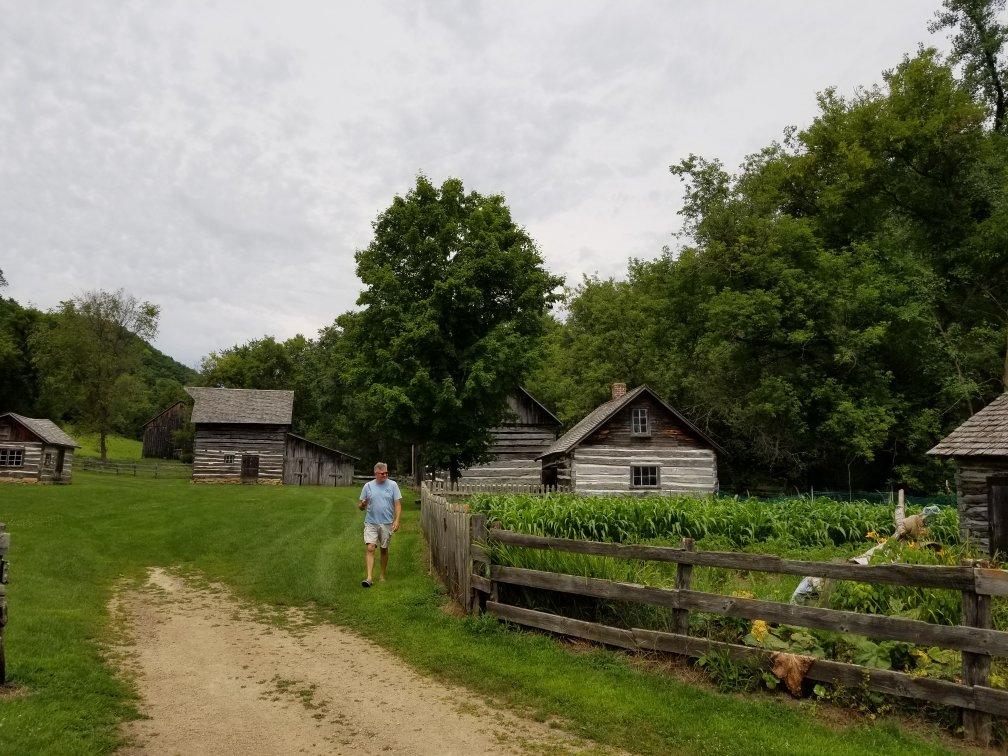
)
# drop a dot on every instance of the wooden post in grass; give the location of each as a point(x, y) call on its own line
point(4, 547)
point(683, 581)
point(976, 612)
point(478, 566)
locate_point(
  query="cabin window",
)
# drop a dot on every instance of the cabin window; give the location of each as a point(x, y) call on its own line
point(11, 457)
point(639, 422)
point(229, 459)
point(644, 476)
point(48, 459)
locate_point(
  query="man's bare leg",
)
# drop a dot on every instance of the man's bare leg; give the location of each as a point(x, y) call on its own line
point(369, 559)
point(384, 562)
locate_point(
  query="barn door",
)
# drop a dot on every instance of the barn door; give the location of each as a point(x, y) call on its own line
point(997, 515)
point(250, 468)
point(59, 464)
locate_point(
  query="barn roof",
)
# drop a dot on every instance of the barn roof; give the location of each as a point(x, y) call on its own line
point(170, 407)
point(320, 446)
point(248, 406)
point(540, 405)
point(47, 430)
point(983, 435)
point(601, 414)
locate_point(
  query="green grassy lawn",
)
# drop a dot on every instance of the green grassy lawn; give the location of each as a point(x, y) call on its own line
point(302, 546)
point(118, 447)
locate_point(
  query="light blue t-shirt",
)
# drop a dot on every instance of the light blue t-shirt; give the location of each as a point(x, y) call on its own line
point(381, 498)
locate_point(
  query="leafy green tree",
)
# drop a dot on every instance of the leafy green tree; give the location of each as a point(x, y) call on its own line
point(978, 44)
point(91, 355)
point(266, 364)
point(454, 298)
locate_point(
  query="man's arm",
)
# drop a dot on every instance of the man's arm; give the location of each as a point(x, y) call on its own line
point(398, 511)
point(362, 504)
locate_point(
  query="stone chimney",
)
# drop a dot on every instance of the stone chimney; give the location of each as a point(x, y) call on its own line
point(618, 390)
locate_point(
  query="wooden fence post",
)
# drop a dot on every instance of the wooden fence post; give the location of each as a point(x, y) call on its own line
point(683, 581)
point(976, 612)
point(478, 533)
point(4, 576)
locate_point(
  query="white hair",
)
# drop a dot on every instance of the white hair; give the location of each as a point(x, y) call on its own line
point(380, 466)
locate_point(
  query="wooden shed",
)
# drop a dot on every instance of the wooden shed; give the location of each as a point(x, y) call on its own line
point(240, 434)
point(634, 444)
point(307, 463)
point(34, 450)
point(158, 441)
point(979, 448)
point(518, 443)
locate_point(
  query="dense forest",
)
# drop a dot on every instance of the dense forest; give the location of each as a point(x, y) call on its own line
point(828, 310)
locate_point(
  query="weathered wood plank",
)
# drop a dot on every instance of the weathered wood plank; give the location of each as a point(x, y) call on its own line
point(925, 576)
point(977, 640)
point(838, 673)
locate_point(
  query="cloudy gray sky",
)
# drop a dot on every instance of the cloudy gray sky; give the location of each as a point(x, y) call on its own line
point(225, 159)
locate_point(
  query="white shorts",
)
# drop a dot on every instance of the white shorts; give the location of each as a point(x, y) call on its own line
point(379, 535)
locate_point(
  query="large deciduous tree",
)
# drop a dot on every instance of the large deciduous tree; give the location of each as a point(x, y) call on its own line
point(978, 43)
point(91, 353)
point(454, 299)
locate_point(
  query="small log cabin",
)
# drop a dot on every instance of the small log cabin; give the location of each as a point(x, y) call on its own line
point(240, 434)
point(634, 444)
point(158, 442)
point(307, 463)
point(979, 448)
point(518, 443)
point(33, 450)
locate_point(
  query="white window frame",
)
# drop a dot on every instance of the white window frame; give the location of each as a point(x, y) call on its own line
point(637, 474)
point(229, 459)
point(640, 422)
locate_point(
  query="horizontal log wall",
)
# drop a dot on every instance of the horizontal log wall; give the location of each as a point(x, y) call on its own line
point(514, 451)
point(971, 497)
point(30, 470)
point(213, 443)
point(602, 469)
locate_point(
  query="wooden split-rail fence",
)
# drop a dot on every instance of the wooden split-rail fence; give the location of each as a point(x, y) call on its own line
point(461, 548)
point(4, 576)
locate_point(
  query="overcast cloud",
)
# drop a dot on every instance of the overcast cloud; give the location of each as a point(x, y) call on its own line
point(226, 159)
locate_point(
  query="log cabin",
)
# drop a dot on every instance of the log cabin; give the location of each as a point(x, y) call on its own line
point(527, 432)
point(634, 444)
point(979, 448)
point(34, 450)
point(240, 434)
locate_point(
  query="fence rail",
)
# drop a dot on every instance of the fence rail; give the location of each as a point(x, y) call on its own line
point(975, 637)
point(174, 470)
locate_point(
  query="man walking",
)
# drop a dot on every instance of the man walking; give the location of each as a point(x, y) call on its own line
point(382, 502)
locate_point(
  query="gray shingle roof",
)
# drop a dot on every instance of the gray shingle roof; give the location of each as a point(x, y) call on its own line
point(47, 430)
point(253, 406)
point(320, 446)
point(983, 435)
point(598, 416)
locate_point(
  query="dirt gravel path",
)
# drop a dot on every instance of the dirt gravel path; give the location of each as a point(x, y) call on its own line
point(216, 678)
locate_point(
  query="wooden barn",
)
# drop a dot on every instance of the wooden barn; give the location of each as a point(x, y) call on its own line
point(633, 444)
point(34, 450)
point(518, 443)
point(979, 448)
point(158, 441)
point(240, 434)
point(307, 463)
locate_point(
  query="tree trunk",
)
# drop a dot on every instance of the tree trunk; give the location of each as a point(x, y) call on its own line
point(453, 470)
point(103, 448)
